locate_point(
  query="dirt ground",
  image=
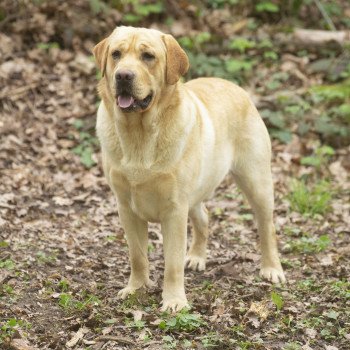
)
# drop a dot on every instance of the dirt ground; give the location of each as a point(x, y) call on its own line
point(63, 256)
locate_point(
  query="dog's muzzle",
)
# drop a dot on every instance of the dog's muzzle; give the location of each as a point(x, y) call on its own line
point(125, 96)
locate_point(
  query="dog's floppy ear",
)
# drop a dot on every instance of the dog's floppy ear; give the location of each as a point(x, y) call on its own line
point(177, 63)
point(100, 52)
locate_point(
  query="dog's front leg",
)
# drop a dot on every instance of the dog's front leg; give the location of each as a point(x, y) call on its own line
point(137, 237)
point(174, 229)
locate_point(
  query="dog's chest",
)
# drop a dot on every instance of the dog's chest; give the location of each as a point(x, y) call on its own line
point(147, 195)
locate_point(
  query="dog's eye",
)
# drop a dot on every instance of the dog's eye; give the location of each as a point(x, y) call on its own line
point(146, 56)
point(116, 54)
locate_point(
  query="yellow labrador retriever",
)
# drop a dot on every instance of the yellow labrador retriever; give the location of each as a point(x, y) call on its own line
point(166, 146)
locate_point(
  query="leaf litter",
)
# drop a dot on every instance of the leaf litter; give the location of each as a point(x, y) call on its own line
point(60, 236)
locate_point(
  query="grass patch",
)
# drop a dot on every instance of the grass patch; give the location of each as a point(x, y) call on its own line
point(43, 258)
point(87, 145)
point(310, 200)
point(7, 264)
point(183, 321)
point(8, 328)
point(68, 302)
point(341, 289)
point(319, 158)
point(308, 244)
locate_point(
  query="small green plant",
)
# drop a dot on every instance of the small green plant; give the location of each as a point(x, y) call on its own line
point(63, 285)
point(48, 46)
point(341, 289)
point(320, 157)
point(210, 341)
point(267, 6)
point(111, 238)
point(4, 244)
point(238, 330)
point(7, 329)
point(308, 285)
point(335, 116)
point(195, 42)
point(67, 301)
point(277, 300)
point(235, 66)
point(138, 324)
point(220, 3)
point(44, 258)
point(292, 346)
point(131, 301)
point(7, 264)
point(85, 149)
point(183, 321)
point(276, 80)
point(309, 244)
point(310, 200)
point(97, 6)
point(6, 289)
point(242, 44)
point(169, 342)
point(140, 10)
point(327, 325)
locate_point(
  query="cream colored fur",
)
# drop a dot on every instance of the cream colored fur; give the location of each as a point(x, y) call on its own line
point(164, 162)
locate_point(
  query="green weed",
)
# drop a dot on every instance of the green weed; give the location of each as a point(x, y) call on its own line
point(86, 146)
point(140, 10)
point(341, 289)
point(131, 301)
point(44, 258)
point(68, 302)
point(267, 6)
point(63, 285)
point(308, 244)
point(308, 285)
point(327, 325)
point(242, 44)
point(169, 342)
point(48, 46)
point(4, 244)
point(310, 200)
point(8, 328)
point(138, 324)
point(210, 340)
point(292, 346)
point(277, 300)
point(221, 3)
point(319, 158)
point(6, 289)
point(7, 264)
point(182, 321)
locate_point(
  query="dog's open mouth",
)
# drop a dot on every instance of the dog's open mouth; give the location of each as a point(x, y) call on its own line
point(128, 103)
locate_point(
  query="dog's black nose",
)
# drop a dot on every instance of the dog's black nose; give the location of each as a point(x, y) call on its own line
point(125, 75)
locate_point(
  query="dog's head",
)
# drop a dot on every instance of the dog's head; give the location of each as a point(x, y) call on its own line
point(137, 64)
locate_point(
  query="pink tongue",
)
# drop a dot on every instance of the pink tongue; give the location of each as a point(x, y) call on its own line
point(125, 101)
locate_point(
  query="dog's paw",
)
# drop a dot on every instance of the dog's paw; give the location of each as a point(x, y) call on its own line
point(195, 263)
point(174, 304)
point(273, 274)
point(131, 289)
point(125, 292)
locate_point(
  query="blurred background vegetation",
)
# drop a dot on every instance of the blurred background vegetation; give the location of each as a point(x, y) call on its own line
point(300, 88)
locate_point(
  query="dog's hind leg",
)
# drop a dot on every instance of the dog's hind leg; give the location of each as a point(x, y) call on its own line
point(255, 180)
point(196, 256)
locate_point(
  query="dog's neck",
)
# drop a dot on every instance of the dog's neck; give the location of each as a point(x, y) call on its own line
point(153, 139)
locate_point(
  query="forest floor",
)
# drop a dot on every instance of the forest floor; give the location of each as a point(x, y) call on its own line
point(63, 255)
